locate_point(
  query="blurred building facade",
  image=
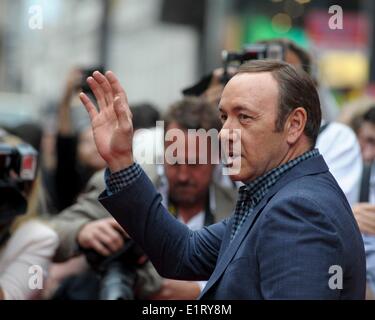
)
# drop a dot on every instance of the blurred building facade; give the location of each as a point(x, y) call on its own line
point(158, 47)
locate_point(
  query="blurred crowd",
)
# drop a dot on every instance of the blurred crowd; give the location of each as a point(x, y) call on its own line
point(64, 245)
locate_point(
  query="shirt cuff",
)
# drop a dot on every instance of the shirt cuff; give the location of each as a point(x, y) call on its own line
point(120, 180)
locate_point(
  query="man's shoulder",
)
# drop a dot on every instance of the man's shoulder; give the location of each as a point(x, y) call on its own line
point(313, 186)
point(313, 197)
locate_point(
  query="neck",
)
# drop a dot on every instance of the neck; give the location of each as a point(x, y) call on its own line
point(295, 152)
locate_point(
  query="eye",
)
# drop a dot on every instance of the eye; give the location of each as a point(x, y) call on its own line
point(243, 116)
point(223, 117)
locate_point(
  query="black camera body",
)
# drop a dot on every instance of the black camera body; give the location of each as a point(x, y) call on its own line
point(18, 168)
point(256, 51)
point(117, 271)
point(233, 59)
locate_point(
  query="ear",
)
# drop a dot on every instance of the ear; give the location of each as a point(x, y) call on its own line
point(295, 125)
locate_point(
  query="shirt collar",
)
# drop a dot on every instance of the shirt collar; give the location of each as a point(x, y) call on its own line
point(258, 188)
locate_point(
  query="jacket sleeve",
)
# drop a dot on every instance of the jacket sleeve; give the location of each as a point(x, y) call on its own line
point(175, 251)
point(69, 222)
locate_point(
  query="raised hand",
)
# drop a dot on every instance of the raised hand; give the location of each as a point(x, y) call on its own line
point(112, 124)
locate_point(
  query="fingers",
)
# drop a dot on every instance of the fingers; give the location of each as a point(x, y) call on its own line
point(116, 86)
point(111, 237)
point(108, 91)
point(90, 108)
point(365, 206)
point(365, 218)
point(101, 236)
point(121, 100)
point(370, 208)
point(122, 113)
point(117, 227)
point(99, 247)
point(98, 92)
point(368, 219)
point(365, 228)
point(105, 86)
point(111, 240)
point(103, 241)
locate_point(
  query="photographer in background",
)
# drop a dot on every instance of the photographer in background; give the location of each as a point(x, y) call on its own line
point(24, 241)
point(77, 158)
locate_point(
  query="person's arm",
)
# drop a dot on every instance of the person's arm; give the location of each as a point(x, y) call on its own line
point(70, 221)
point(67, 183)
point(64, 110)
point(1, 294)
point(176, 251)
point(177, 290)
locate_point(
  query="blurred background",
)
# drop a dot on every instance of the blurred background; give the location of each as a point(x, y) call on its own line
point(158, 47)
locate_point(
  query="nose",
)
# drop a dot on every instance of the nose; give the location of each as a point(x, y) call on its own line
point(230, 141)
point(183, 173)
point(225, 131)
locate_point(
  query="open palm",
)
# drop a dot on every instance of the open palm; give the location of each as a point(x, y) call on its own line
point(112, 124)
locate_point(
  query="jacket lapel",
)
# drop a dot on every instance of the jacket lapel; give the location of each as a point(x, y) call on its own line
point(228, 249)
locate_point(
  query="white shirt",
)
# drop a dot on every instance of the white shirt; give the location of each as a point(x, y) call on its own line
point(340, 149)
point(195, 223)
point(32, 244)
point(371, 197)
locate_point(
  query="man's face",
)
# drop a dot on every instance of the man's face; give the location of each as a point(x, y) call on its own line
point(188, 183)
point(250, 103)
point(366, 138)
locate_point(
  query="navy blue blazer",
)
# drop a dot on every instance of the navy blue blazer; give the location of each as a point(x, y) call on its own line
point(301, 242)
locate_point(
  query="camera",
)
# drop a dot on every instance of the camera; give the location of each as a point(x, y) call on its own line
point(117, 271)
point(18, 167)
point(272, 51)
point(233, 59)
